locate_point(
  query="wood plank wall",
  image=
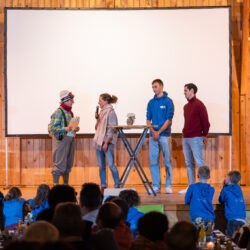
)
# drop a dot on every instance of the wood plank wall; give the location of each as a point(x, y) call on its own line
point(30, 160)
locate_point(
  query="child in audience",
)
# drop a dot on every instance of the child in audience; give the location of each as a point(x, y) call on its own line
point(40, 202)
point(14, 208)
point(231, 195)
point(199, 196)
point(132, 198)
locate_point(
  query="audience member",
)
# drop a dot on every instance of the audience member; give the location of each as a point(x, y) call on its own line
point(22, 245)
point(104, 239)
point(57, 245)
point(40, 202)
point(231, 195)
point(67, 219)
point(40, 232)
point(123, 234)
point(241, 236)
point(109, 216)
point(58, 194)
point(14, 208)
point(152, 228)
point(200, 196)
point(1, 211)
point(90, 201)
point(132, 198)
point(182, 236)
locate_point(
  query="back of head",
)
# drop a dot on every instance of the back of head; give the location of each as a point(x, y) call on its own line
point(234, 176)
point(90, 196)
point(61, 193)
point(192, 86)
point(13, 194)
point(104, 239)
point(130, 196)
point(41, 231)
point(110, 99)
point(182, 236)
point(109, 215)
point(41, 195)
point(153, 226)
point(67, 219)
point(204, 172)
point(123, 205)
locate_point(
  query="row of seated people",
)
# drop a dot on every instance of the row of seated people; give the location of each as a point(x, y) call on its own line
point(116, 224)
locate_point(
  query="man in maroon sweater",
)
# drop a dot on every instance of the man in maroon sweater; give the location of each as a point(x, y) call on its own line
point(195, 130)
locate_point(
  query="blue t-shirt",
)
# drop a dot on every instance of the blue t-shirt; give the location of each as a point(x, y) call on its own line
point(37, 210)
point(233, 199)
point(133, 216)
point(159, 110)
point(12, 211)
point(199, 196)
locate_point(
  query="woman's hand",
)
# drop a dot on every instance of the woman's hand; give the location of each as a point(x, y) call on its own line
point(105, 147)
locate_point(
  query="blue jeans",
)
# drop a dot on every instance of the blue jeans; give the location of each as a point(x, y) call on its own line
point(192, 148)
point(232, 225)
point(154, 153)
point(109, 155)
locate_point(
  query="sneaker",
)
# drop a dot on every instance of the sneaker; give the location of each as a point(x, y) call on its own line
point(183, 191)
point(156, 189)
point(169, 190)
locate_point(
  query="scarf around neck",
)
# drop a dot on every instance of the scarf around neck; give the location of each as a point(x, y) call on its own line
point(102, 125)
point(67, 108)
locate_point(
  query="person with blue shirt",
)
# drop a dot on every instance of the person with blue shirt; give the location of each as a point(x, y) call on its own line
point(132, 198)
point(199, 196)
point(40, 202)
point(231, 195)
point(14, 208)
point(160, 112)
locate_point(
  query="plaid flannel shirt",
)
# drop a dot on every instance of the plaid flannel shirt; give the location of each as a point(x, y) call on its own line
point(56, 125)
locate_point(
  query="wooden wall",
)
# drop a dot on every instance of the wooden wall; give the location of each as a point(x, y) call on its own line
point(30, 160)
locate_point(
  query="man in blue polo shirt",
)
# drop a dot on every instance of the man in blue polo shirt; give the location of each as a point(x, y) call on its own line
point(160, 112)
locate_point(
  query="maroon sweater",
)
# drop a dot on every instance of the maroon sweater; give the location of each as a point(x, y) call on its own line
point(196, 119)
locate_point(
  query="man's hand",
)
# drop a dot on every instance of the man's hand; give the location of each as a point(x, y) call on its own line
point(156, 135)
point(204, 140)
point(105, 147)
point(68, 129)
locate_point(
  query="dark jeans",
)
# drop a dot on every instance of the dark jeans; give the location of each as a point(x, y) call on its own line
point(232, 225)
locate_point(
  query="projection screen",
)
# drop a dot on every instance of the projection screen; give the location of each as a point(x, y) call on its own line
point(118, 51)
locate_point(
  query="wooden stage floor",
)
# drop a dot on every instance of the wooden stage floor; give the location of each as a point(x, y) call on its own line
point(169, 200)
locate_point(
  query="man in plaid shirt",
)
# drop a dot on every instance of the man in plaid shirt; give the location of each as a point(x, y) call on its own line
point(63, 138)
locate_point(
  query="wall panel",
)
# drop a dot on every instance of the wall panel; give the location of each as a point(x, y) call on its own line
point(30, 159)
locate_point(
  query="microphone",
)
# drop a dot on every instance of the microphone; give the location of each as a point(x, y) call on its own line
point(97, 109)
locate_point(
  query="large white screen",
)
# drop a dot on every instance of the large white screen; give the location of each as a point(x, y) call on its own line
point(117, 51)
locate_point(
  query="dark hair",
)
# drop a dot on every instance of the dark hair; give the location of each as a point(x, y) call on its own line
point(234, 176)
point(153, 226)
point(90, 195)
point(107, 97)
point(61, 193)
point(41, 195)
point(123, 205)
point(204, 172)
point(130, 196)
point(13, 194)
point(158, 81)
point(109, 215)
point(191, 86)
point(68, 220)
point(182, 236)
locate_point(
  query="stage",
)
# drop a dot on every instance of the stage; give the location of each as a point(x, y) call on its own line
point(174, 206)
